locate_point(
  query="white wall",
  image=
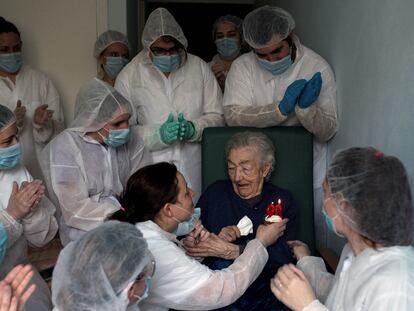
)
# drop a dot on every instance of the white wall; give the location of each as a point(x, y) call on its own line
point(370, 46)
point(58, 38)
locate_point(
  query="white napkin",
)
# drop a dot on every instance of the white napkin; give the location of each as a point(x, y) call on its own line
point(245, 226)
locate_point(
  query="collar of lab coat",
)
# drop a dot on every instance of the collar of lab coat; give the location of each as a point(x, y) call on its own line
point(153, 230)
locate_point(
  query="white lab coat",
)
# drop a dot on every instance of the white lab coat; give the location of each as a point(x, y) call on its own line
point(181, 282)
point(33, 89)
point(192, 89)
point(377, 280)
point(37, 229)
point(253, 94)
point(86, 178)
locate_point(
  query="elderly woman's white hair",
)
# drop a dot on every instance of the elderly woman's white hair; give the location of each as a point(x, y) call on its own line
point(94, 272)
point(262, 143)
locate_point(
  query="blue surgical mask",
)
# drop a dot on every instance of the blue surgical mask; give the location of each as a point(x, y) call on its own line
point(11, 62)
point(114, 65)
point(3, 242)
point(228, 48)
point(146, 290)
point(330, 222)
point(277, 67)
point(166, 63)
point(117, 138)
point(187, 226)
point(10, 156)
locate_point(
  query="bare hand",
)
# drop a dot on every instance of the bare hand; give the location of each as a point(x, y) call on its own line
point(269, 233)
point(13, 292)
point(42, 115)
point(212, 247)
point(24, 199)
point(229, 233)
point(292, 288)
point(199, 233)
point(20, 112)
point(218, 70)
point(299, 249)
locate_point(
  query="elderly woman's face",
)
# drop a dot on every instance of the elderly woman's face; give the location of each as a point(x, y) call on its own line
point(245, 171)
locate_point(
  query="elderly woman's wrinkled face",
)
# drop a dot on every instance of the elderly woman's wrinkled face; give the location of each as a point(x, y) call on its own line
point(246, 172)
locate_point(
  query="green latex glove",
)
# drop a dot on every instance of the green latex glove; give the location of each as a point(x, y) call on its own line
point(169, 130)
point(187, 130)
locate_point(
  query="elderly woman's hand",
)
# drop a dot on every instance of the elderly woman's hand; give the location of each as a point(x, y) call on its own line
point(299, 249)
point(229, 233)
point(269, 233)
point(198, 234)
point(292, 288)
point(211, 247)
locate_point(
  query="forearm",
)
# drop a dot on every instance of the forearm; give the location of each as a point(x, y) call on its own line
point(322, 124)
point(253, 116)
point(207, 120)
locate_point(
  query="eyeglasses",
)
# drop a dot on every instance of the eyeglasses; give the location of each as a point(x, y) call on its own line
point(161, 51)
point(148, 271)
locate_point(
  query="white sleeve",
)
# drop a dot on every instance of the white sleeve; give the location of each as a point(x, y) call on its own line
point(222, 287)
point(13, 228)
point(239, 106)
point(319, 278)
point(315, 305)
point(321, 118)
point(212, 115)
point(50, 97)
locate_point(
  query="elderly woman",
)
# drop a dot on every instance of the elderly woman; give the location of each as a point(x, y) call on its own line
point(108, 269)
point(158, 200)
point(88, 164)
point(368, 202)
point(227, 35)
point(250, 160)
point(26, 214)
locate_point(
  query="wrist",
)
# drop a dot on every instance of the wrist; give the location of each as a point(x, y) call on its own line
point(13, 214)
point(232, 252)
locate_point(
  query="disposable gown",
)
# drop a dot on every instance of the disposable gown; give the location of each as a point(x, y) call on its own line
point(192, 89)
point(181, 282)
point(37, 229)
point(33, 89)
point(83, 176)
point(377, 280)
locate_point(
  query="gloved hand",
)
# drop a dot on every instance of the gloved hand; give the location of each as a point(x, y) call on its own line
point(287, 104)
point(169, 130)
point(311, 91)
point(187, 130)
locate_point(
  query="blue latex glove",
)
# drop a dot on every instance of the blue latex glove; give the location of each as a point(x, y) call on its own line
point(169, 130)
point(187, 130)
point(311, 91)
point(287, 104)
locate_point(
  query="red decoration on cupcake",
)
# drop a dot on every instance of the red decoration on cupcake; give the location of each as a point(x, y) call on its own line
point(275, 209)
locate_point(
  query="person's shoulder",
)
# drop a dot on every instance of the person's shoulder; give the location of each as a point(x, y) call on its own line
point(218, 186)
point(247, 60)
point(29, 72)
point(311, 57)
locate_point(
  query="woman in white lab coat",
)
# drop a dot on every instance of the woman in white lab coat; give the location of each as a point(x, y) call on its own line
point(31, 95)
point(174, 95)
point(368, 202)
point(26, 214)
point(88, 164)
point(159, 201)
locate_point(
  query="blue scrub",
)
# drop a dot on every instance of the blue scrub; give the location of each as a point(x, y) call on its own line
point(221, 207)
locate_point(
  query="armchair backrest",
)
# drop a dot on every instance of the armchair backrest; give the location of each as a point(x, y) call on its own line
point(293, 167)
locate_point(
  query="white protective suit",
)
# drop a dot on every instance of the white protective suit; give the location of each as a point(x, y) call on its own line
point(37, 229)
point(192, 89)
point(83, 176)
point(253, 95)
point(377, 280)
point(33, 89)
point(181, 282)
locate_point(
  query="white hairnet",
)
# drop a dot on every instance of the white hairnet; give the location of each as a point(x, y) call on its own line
point(267, 25)
point(236, 21)
point(106, 39)
point(6, 117)
point(377, 190)
point(93, 271)
point(97, 103)
point(162, 23)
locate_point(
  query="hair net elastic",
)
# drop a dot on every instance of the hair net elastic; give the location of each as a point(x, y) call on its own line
point(6, 117)
point(267, 25)
point(236, 21)
point(92, 272)
point(162, 23)
point(96, 104)
point(106, 39)
point(377, 191)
